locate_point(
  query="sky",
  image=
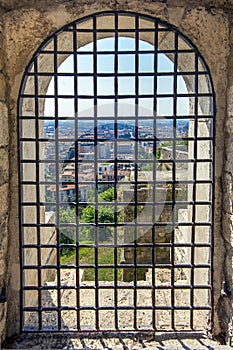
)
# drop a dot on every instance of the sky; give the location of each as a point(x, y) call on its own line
point(126, 85)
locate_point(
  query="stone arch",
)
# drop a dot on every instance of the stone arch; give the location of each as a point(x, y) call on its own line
point(165, 41)
point(204, 83)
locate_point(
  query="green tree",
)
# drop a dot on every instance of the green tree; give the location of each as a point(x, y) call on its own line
point(105, 215)
point(158, 152)
point(88, 214)
point(91, 195)
point(67, 233)
point(108, 195)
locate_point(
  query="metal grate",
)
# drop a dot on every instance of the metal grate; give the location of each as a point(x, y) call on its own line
point(116, 179)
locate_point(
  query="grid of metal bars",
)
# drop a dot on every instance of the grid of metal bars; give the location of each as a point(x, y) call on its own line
point(116, 102)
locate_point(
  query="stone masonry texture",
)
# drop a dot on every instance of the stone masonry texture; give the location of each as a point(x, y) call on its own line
point(24, 26)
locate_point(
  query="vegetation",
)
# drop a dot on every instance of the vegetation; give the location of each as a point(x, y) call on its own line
point(179, 142)
point(87, 257)
point(105, 215)
point(147, 167)
point(86, 235)
point(108, 195)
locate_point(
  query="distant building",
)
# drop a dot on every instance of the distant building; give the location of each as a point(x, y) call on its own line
point(104, 150)
point(124, 148)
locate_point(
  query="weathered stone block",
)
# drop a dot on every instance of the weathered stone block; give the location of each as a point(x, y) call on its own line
point(4, 167)
point(3, 247)
point(3, 308)
point(229, 125)
point(3, 199)
point(4, 133)
point(2, 87)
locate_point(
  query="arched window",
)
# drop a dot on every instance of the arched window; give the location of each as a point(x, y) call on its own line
point(116, 154)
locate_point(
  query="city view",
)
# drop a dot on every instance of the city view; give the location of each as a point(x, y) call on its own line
point(92, 171)
point(106, 152)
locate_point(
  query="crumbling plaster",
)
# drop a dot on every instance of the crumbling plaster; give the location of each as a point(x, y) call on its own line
point(24, 26)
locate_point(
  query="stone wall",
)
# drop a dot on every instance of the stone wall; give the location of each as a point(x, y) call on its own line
point(181, 154)
point(144, 255)
point(162, 234)
point(24, 25)
point(4, 187)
